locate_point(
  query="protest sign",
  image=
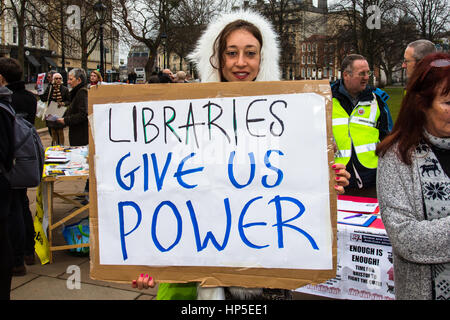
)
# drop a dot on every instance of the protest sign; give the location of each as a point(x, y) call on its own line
point(364, 267)
point(40, 83)
point(221, 183)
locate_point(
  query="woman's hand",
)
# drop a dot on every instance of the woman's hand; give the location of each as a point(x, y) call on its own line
point(143, 282)
point(342, 177)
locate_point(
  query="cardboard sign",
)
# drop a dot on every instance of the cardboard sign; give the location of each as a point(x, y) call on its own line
point(221, 183)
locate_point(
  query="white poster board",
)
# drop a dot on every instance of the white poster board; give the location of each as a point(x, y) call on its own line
point(225, 182)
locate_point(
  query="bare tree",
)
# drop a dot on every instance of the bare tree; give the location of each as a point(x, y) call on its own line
point(362, 26)
point(19, 11)
point(81, 39)
point(178, 22)
point(431, 16)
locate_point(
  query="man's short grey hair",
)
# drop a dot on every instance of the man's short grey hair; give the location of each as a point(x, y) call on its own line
point(347, 63)
point(421, 48)
point(78, 73)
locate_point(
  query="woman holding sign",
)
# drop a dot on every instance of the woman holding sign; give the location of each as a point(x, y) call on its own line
point(240, 46)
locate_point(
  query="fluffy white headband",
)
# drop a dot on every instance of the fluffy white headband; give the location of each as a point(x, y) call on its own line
point(269, 69)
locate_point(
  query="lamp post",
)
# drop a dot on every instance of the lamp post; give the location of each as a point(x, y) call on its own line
point(164, 40)
point(100, 12)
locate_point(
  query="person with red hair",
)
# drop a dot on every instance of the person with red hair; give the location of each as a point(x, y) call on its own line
point(413, 183)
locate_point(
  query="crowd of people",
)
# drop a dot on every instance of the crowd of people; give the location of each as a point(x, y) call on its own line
point(407, 166)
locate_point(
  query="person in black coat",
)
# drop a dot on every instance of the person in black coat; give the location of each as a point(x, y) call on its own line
point(76, 116)
point(21, 227)
point(6, 162)
point(58, 93)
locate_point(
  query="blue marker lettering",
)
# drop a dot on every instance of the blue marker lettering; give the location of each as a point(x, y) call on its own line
point(159, 179)
point(280, 223)
point(122, 224)
point(241, 226)
point(269, 165)
point(129, 174)
point(180, 173)
point(231, 173)
point(209, 234)
point(179, 225)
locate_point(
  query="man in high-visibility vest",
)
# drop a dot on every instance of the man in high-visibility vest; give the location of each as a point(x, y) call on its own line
point(360, 121)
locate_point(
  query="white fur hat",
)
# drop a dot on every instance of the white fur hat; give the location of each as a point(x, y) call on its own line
point(269, 69)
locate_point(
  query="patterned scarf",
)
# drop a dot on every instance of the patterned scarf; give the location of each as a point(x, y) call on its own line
point(56, 94)
point(436, 198)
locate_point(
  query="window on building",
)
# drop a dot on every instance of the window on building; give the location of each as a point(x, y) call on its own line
point(15, 39)
point(304, 47)
point(33, 37)
point(42, 38)
point(309, 59)
point(308, 72)
point(309, 47)
point(303, 59)
point(303, 72)
point(325, 72)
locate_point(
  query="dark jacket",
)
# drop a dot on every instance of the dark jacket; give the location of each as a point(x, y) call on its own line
point(76, 116)
point(368, 176)
point(6, 150)
point(48, 94)
point(23, 101)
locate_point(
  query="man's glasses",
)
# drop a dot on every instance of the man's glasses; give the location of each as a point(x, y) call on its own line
point(57, 78)
point(405, 61)
point(363, 73)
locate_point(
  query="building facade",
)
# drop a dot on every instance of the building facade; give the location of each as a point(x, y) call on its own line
point(44, 50)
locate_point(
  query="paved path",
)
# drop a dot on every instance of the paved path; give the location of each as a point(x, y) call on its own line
point(54, 281)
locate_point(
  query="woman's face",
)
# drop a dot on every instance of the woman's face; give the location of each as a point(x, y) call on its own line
point(94, 78)
point(72, 81)
point(438, 117)
point(241, 57)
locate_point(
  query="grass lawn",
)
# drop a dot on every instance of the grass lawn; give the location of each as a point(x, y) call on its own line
point(395, 100)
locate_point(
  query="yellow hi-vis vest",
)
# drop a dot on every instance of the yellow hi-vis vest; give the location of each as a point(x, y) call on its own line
point(359, 129)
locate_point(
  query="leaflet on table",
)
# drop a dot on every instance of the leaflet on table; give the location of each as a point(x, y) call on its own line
point(355, 219)
point(345, 205)
point(70, 169)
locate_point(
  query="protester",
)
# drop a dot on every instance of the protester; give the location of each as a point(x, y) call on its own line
point(76, 115)
point(6, 162)
point(95, 78)
point(232, 49)
point(180, 77)
point(165, 76)
point(58, 93)
point(413, 183)
point(169, 73)
point(132, 77)
point(414, 52)
point(21, 227)
point(360, 121)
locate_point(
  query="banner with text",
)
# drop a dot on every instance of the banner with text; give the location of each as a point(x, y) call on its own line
point(222, 182)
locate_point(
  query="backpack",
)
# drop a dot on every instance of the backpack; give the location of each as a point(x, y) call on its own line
point(28, 153)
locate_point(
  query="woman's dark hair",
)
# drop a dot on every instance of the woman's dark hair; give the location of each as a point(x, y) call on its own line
point(220, 44)
point(10, 69)
point(427, 82)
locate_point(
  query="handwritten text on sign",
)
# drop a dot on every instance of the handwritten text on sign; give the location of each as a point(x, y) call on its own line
point(229, 182)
